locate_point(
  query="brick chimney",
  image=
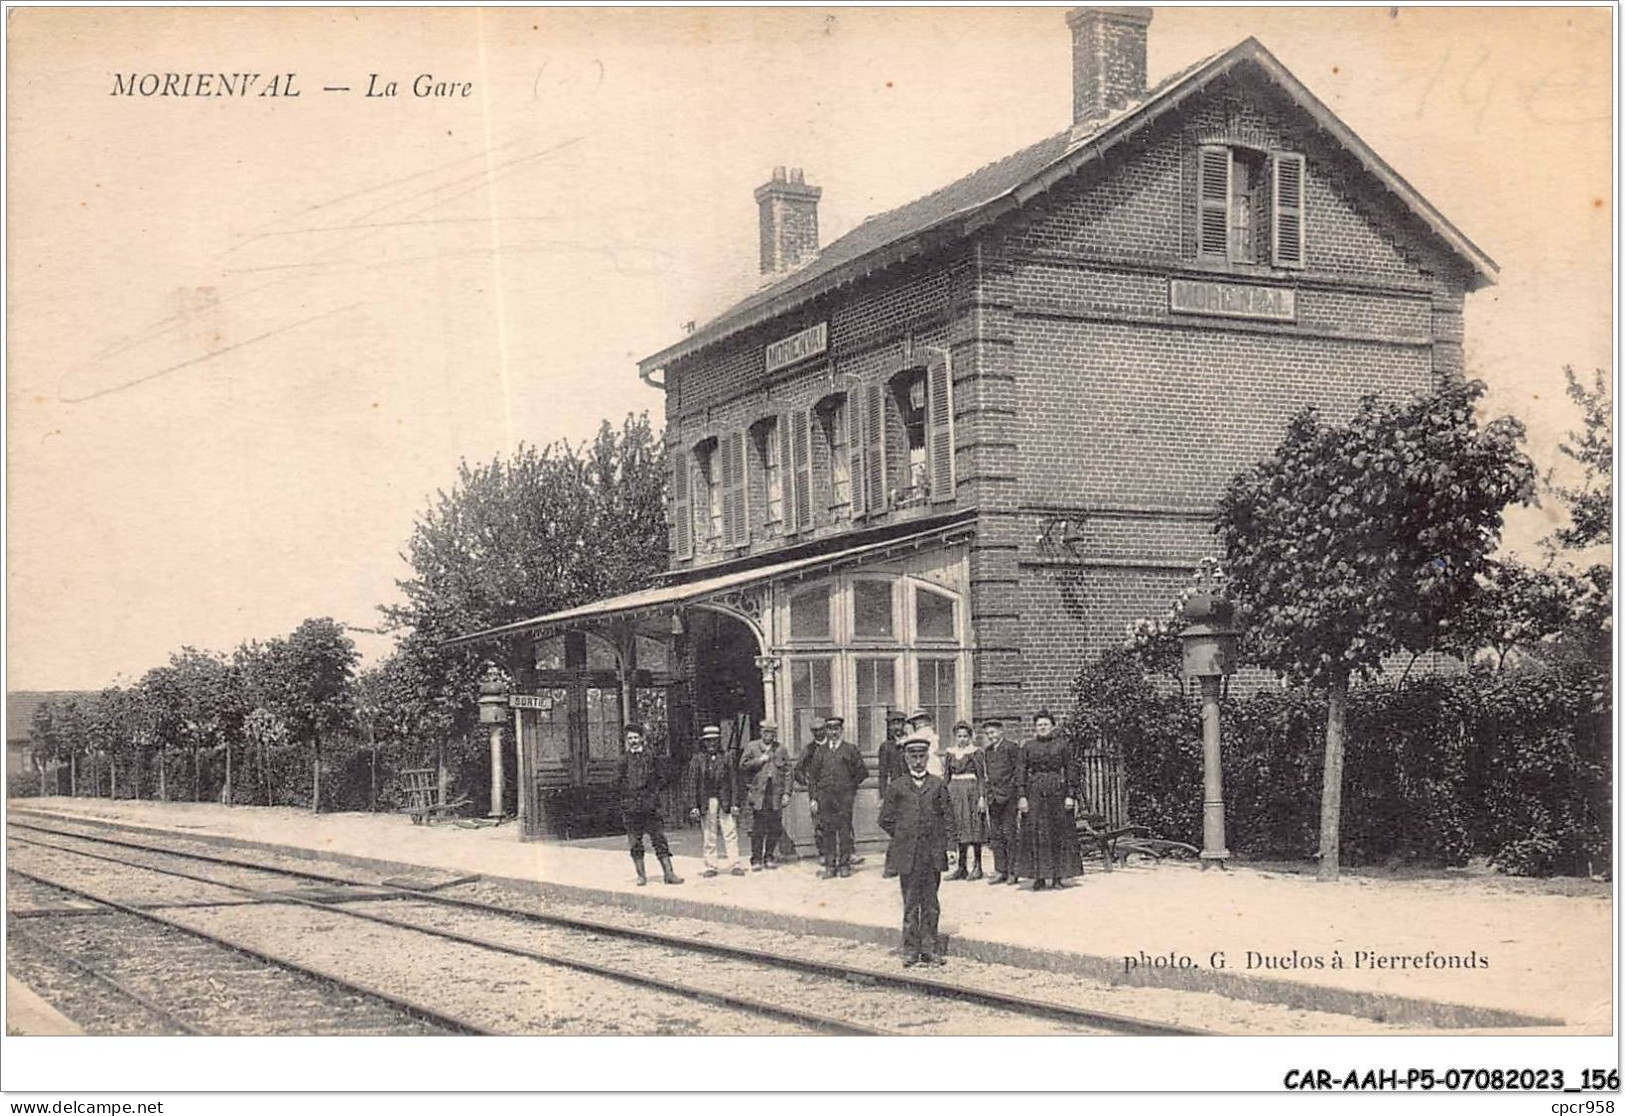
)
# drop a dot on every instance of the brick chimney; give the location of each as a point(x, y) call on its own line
point(789, 215)
point(1108, 60)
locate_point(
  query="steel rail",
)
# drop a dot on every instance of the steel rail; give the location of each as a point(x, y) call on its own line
point(643, 980)
point(63, 957)
point(1118, 1024)
point(416, 1011)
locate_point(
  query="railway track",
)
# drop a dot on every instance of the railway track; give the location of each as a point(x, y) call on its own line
point(187, 982)
point(852, 998)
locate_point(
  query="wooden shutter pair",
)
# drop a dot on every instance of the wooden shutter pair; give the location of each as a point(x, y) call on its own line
point(795, 469)
point(1286, 205)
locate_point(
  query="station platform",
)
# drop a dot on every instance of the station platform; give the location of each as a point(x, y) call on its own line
point(1444, 951)
point(27, 1013)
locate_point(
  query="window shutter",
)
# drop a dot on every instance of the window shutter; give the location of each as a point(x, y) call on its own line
point(857, 456)
point(801, 448)
point(735, 527)
point(1213, 202)
point(787, 477)
point(1286, 208)
point(874, 449)
point(939, 426)
point(682, 519)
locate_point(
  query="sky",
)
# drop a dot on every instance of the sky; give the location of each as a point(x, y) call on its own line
point(250, 338)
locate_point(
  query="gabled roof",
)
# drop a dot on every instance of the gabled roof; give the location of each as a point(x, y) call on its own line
point(971, 202)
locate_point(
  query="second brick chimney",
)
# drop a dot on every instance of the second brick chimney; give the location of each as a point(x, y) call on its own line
point(789, 220)
point(1108, 60)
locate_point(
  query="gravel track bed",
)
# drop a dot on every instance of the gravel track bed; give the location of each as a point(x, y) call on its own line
point(272, 860)
point(268, 879)
point(891, 1009)
point(97, 1008)
point(23, 894)
point(1207, 1011)
point(509, 995)
point(504, 994)
point(125, 885)
point(208, 986)
point(1203, 1010)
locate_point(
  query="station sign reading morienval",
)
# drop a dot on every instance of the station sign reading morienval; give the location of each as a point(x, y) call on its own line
point(798, 347)
point(1232, 300)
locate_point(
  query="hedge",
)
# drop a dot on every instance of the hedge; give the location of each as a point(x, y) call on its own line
point(1514, 767)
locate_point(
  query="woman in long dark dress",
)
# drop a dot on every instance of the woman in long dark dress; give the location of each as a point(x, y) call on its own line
point(964, 768)
point(1049, 833)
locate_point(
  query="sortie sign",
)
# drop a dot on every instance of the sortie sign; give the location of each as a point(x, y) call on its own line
point(1232, 300)
point(530, 701)
point(798, 346)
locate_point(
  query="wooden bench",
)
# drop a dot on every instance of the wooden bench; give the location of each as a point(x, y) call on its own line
point(421, 786)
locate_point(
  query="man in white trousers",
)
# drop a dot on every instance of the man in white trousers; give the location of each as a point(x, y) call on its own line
point(716, 802)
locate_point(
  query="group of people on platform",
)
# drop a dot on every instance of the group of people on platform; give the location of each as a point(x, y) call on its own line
point(965, 793)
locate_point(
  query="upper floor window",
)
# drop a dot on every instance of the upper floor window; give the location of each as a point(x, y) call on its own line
point(912, 479)
point(768, 446)
point(833, 423)
point(707, 496)
point(1250, 206)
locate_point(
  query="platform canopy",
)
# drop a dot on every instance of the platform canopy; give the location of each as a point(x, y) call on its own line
point(667, 598)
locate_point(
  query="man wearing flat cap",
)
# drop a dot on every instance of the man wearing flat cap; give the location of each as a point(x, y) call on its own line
point(639, 779)
point(832, 771)
point(765, 764)
point(889, 757)
point(919, 816)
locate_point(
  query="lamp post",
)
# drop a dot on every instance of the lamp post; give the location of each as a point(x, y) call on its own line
point(1209, 645)
point(493, 713)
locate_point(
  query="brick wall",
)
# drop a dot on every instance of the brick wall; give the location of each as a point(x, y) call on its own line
point(1086, 411)
point(1129, 419)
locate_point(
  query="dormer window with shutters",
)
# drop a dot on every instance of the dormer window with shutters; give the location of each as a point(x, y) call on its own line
point(1250, 206)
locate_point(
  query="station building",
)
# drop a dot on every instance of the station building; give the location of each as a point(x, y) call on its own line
point(945, 459)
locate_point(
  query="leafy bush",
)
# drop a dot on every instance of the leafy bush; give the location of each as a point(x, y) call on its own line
point(1512, 767)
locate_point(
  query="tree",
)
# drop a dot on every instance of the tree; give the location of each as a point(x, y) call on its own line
point(1591, 504)
point(112, 725)
point(208, 704)
point(1516, 607)
point(1358, 541)
point(305, 681)
point(162, 698)
point(46, 737)
point(540, 531)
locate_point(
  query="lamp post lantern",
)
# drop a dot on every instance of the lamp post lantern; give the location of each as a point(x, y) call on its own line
point(493, 714)
point(1209, 645)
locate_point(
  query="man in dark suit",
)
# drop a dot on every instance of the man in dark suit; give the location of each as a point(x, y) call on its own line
point(832, 771)
point(919, 816)
point(639, 779)
point(1000, 792)
point(889, 755)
